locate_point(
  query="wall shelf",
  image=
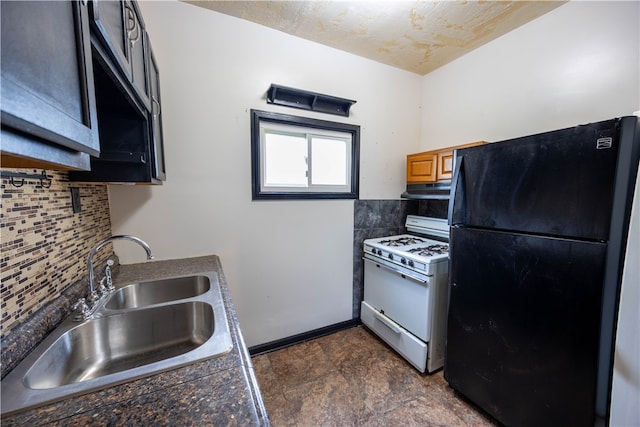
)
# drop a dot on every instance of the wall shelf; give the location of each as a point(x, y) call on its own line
point(305, 100)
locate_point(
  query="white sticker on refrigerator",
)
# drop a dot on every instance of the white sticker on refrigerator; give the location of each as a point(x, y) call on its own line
point(602, 143)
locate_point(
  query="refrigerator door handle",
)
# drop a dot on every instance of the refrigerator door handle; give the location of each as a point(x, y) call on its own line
point(457, 197)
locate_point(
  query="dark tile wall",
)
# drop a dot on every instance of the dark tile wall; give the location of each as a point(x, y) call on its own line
point(433, 208)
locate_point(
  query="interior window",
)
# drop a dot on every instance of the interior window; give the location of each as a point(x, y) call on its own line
point(298, 157)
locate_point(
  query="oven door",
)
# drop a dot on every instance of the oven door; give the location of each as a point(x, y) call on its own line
point(404, 299)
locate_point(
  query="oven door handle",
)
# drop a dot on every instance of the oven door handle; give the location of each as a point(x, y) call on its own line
point(387, 322)
point(404, 274)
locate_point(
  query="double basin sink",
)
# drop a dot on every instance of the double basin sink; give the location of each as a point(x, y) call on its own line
point(140, 329)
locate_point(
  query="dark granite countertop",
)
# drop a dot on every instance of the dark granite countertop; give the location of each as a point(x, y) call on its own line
point(218, 391)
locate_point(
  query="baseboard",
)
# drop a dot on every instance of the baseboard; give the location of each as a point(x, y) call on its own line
point(300, 338)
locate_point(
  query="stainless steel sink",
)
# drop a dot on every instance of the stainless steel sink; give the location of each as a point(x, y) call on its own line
point(157, 291)
point(124, 342)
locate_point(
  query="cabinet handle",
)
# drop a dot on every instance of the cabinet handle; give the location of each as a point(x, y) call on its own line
point(135, 28)
point(154, 102)
point(137, 37)
point(131, 22)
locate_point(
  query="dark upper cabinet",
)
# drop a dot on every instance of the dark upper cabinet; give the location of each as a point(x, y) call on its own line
point(80, 91)
point(48, 102)
point(119, 27)
point(128, 94)
point(131, 149)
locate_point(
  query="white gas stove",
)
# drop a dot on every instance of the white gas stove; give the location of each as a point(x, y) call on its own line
point(405, 281)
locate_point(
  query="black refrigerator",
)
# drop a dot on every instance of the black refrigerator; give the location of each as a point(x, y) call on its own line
point(538, 235)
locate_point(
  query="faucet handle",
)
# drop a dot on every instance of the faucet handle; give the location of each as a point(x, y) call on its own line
point(92, 298)
point(102, 289)
point(107, 276)
point(81, 303)
point(82, 310)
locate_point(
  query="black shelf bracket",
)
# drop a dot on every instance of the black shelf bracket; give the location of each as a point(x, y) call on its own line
point(305, 100)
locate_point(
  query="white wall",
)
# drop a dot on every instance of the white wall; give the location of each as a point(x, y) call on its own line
point(288, 264)
point(577, 64)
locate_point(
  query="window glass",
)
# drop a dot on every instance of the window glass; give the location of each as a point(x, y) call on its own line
point(329, 161)
point(285, 160)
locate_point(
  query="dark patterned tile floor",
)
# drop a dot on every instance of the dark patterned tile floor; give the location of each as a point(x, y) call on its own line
point(351, 378)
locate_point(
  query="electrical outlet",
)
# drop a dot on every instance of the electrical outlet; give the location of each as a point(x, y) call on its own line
point(75, 200)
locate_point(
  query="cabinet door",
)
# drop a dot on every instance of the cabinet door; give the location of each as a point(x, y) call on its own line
point(157, 146)
point(47, 77)
point(111, 26)
point(137, 38)
point(119, 27)
point(421, 167)
point(445, 164)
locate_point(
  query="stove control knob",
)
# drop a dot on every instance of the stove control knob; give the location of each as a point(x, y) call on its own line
point(410, 263)
point(402, 260)
point(391, 256)
point(379, 252)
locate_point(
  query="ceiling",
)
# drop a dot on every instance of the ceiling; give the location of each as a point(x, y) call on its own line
point(417, 36)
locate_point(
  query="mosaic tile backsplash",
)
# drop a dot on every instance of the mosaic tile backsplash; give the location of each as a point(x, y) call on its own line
point(44, 244)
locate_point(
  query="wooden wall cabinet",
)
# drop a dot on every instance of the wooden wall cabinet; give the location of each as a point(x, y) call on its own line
point(422, 167)
point(433, 166)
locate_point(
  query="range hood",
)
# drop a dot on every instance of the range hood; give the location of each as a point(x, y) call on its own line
point(436, 190)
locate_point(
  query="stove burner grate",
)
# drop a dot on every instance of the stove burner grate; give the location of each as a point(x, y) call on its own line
point(430, 250)
point(402, 241)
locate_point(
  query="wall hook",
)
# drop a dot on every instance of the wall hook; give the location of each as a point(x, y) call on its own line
point(14, 181)
point(18, 179)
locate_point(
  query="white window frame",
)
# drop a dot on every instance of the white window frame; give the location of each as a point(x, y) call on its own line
point(268, 122)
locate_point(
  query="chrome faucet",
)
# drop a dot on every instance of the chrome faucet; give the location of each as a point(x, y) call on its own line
point(92, 278)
